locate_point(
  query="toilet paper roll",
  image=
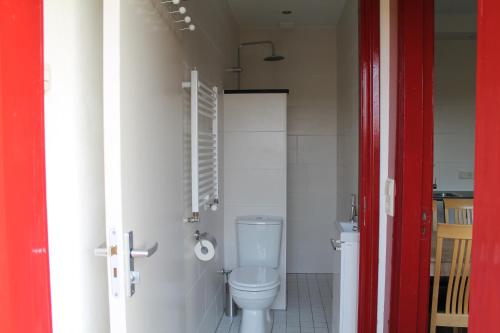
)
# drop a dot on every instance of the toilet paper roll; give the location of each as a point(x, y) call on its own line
point(204, 249)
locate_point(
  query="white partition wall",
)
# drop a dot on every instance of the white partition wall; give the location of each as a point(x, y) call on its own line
point(255, 167)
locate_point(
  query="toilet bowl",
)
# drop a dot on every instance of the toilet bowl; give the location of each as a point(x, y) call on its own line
point(254, 289)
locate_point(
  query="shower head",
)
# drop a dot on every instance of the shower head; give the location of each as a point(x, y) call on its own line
point(274, 57)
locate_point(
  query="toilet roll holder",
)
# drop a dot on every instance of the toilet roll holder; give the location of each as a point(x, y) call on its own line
point(201, 236)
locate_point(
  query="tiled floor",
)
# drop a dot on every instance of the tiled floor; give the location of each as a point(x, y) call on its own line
point(309, 307)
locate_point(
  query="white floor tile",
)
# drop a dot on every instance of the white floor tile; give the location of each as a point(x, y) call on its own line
point(309, 307)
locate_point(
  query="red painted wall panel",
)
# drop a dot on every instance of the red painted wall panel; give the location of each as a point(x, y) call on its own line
point(369, 156)
point(414, 167)
point(24, 270)
point(485, 286)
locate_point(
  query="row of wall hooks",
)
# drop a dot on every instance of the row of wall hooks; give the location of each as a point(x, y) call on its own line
point(181, 11)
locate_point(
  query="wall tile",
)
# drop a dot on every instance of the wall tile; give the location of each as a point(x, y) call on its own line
point(320, 150)
point(291, 145)
point(255, 112)
point(254, 150)
point(255, 186)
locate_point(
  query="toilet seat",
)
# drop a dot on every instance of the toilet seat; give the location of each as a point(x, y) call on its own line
point(254, 278)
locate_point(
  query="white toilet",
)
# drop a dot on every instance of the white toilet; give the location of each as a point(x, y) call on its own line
point(255, 283)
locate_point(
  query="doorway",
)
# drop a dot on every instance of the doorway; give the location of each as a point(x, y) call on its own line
point(412, 239)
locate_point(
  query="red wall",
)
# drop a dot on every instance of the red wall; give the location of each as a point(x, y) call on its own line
point(485, 279)
point(24, 270)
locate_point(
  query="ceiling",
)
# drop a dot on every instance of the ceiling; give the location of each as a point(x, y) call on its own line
point(456, 6)
point(267, 13)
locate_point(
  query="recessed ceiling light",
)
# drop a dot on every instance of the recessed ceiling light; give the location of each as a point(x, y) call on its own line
point(286, 12)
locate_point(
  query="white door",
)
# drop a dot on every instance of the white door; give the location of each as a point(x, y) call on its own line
point(74, 164)
point(143, 169)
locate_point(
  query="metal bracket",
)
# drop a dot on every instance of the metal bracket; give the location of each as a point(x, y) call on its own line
point(193, 219)
point(336, 244)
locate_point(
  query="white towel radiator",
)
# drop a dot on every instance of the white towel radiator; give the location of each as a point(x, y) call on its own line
point(204, 146)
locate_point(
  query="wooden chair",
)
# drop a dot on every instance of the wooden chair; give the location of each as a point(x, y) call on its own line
point(456, 310)
point(463, 211)
point(434, 215)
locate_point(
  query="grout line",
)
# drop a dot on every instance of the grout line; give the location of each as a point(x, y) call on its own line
point(323, 303)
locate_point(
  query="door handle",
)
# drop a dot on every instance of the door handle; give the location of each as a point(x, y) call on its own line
point(132, 254)
point(144, 253)
point(101, 251)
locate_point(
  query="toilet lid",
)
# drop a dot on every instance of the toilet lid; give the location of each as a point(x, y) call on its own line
point(254, 278)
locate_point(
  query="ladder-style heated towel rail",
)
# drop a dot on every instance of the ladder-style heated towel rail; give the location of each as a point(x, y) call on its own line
point(204, 146)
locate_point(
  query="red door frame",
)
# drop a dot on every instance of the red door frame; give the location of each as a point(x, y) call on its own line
point(410, 289)
point(414, 167)
point(485, 289)
point(24, 267)
point(369, 156)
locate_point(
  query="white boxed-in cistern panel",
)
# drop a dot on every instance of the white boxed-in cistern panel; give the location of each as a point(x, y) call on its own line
point(255, 168)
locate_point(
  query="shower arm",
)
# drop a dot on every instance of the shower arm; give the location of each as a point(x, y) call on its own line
point(261, 42)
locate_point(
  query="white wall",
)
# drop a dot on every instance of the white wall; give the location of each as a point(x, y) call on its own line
point(309, 71)
point(211, 49)
point(191, 292)
point(74, 157)
point(454, 100)
point(454, 113)
point(348, 109)
point(255, 168)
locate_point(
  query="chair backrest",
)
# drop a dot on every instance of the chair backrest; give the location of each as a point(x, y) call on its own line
point(458, 211)
point(434, 215)
point(456, 310)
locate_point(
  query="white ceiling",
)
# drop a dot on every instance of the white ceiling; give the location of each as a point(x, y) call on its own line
point(267, 13)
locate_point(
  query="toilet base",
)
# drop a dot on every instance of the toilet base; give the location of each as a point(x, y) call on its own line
point(256, 321)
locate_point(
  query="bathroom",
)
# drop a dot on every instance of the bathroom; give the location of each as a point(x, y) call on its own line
point(287, 147)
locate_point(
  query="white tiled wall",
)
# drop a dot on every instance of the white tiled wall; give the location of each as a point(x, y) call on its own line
point(454, 113)
point(211, 49)
point(309, 71)
point(255, 168)
point(155, 61)
point(348, 105)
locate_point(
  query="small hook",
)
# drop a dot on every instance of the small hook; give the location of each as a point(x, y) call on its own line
point(191, 27)
point(186, 19)
point(181, 10)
